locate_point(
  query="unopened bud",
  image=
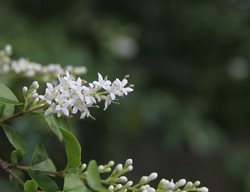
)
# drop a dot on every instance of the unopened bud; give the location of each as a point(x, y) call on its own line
point(181, 182)
point(152, 176)
point(203, 189)
point(111, 163)
point(35, 95)
point(25, 90)
point(111, 188)
point(170, 186)
point(130, 168)
point(123, 179)
point(35, 85)
point(119, 186)
point(119, 167)
point(129, 162)
point(129, 183)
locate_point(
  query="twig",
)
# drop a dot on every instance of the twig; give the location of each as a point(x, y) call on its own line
point(23, 113)
point(5, 166)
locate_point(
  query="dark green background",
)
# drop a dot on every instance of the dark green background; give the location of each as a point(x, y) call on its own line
point(189, 60)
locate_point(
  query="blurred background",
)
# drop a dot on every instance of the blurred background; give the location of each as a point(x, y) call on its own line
point(189, 60)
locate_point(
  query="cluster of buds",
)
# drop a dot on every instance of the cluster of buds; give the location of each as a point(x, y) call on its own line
point(31, 97)
point(26, 68)
point(75, 95)
point(117, 181)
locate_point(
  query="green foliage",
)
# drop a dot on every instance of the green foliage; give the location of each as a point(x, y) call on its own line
point(15, 139)
point(73, 183)
point(44, 181)
point(93, 177)
point(41, 160)
point(16, 156)
point(53, 123)
point(30, 186)
point(73, 149)
point(8, 101)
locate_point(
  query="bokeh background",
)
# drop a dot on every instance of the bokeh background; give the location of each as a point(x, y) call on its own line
point(189, 116)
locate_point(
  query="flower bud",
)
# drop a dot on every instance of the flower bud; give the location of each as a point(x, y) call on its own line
point(129, 162)
point(170, 186)
point(25, 90)
point(123, 179)
point(197, 183)
point(129, 183)
point(203, 189)
point(181, 182)
point(111, 188)
point(100, 167)
point(35, 95)
point(130, 168)
point(119, 167)
point(119, 186)
point(35, 85)
point(152, 176)
point(111, 163)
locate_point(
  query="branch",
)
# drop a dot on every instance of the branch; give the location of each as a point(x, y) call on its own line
point(6, 167)
point(23, 113)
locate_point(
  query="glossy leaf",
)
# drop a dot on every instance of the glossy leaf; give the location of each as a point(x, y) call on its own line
point(93, 177)
point(73, 149)
point(15, 139)
point(44, 182)
point(73, 183)
point(30, 186)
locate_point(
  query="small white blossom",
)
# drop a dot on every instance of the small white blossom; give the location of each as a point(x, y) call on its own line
point(71, 96)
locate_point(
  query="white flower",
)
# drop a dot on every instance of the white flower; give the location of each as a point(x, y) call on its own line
point(103, 83)
point(71, 96)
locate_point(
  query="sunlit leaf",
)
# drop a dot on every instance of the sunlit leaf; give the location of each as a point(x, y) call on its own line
point(73, 149)
point(73, 183)
point(30, 186)
point(93, 177)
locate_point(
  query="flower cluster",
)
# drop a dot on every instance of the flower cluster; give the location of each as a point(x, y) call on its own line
point(26, 68)
point(71, 96)
point(118, 182)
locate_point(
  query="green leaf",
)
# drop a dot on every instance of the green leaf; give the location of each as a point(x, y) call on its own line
point(73, 183)
point(93, 177)
point(41, 160)
point(30, 186)
point(44, 181)
point(16, 156)
point(73, 149)
point(8, 101)
point(40, 154)
point(6, 93)
point(54, 125)
point(46, 165)
point(7, 109)
point(15, 139)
